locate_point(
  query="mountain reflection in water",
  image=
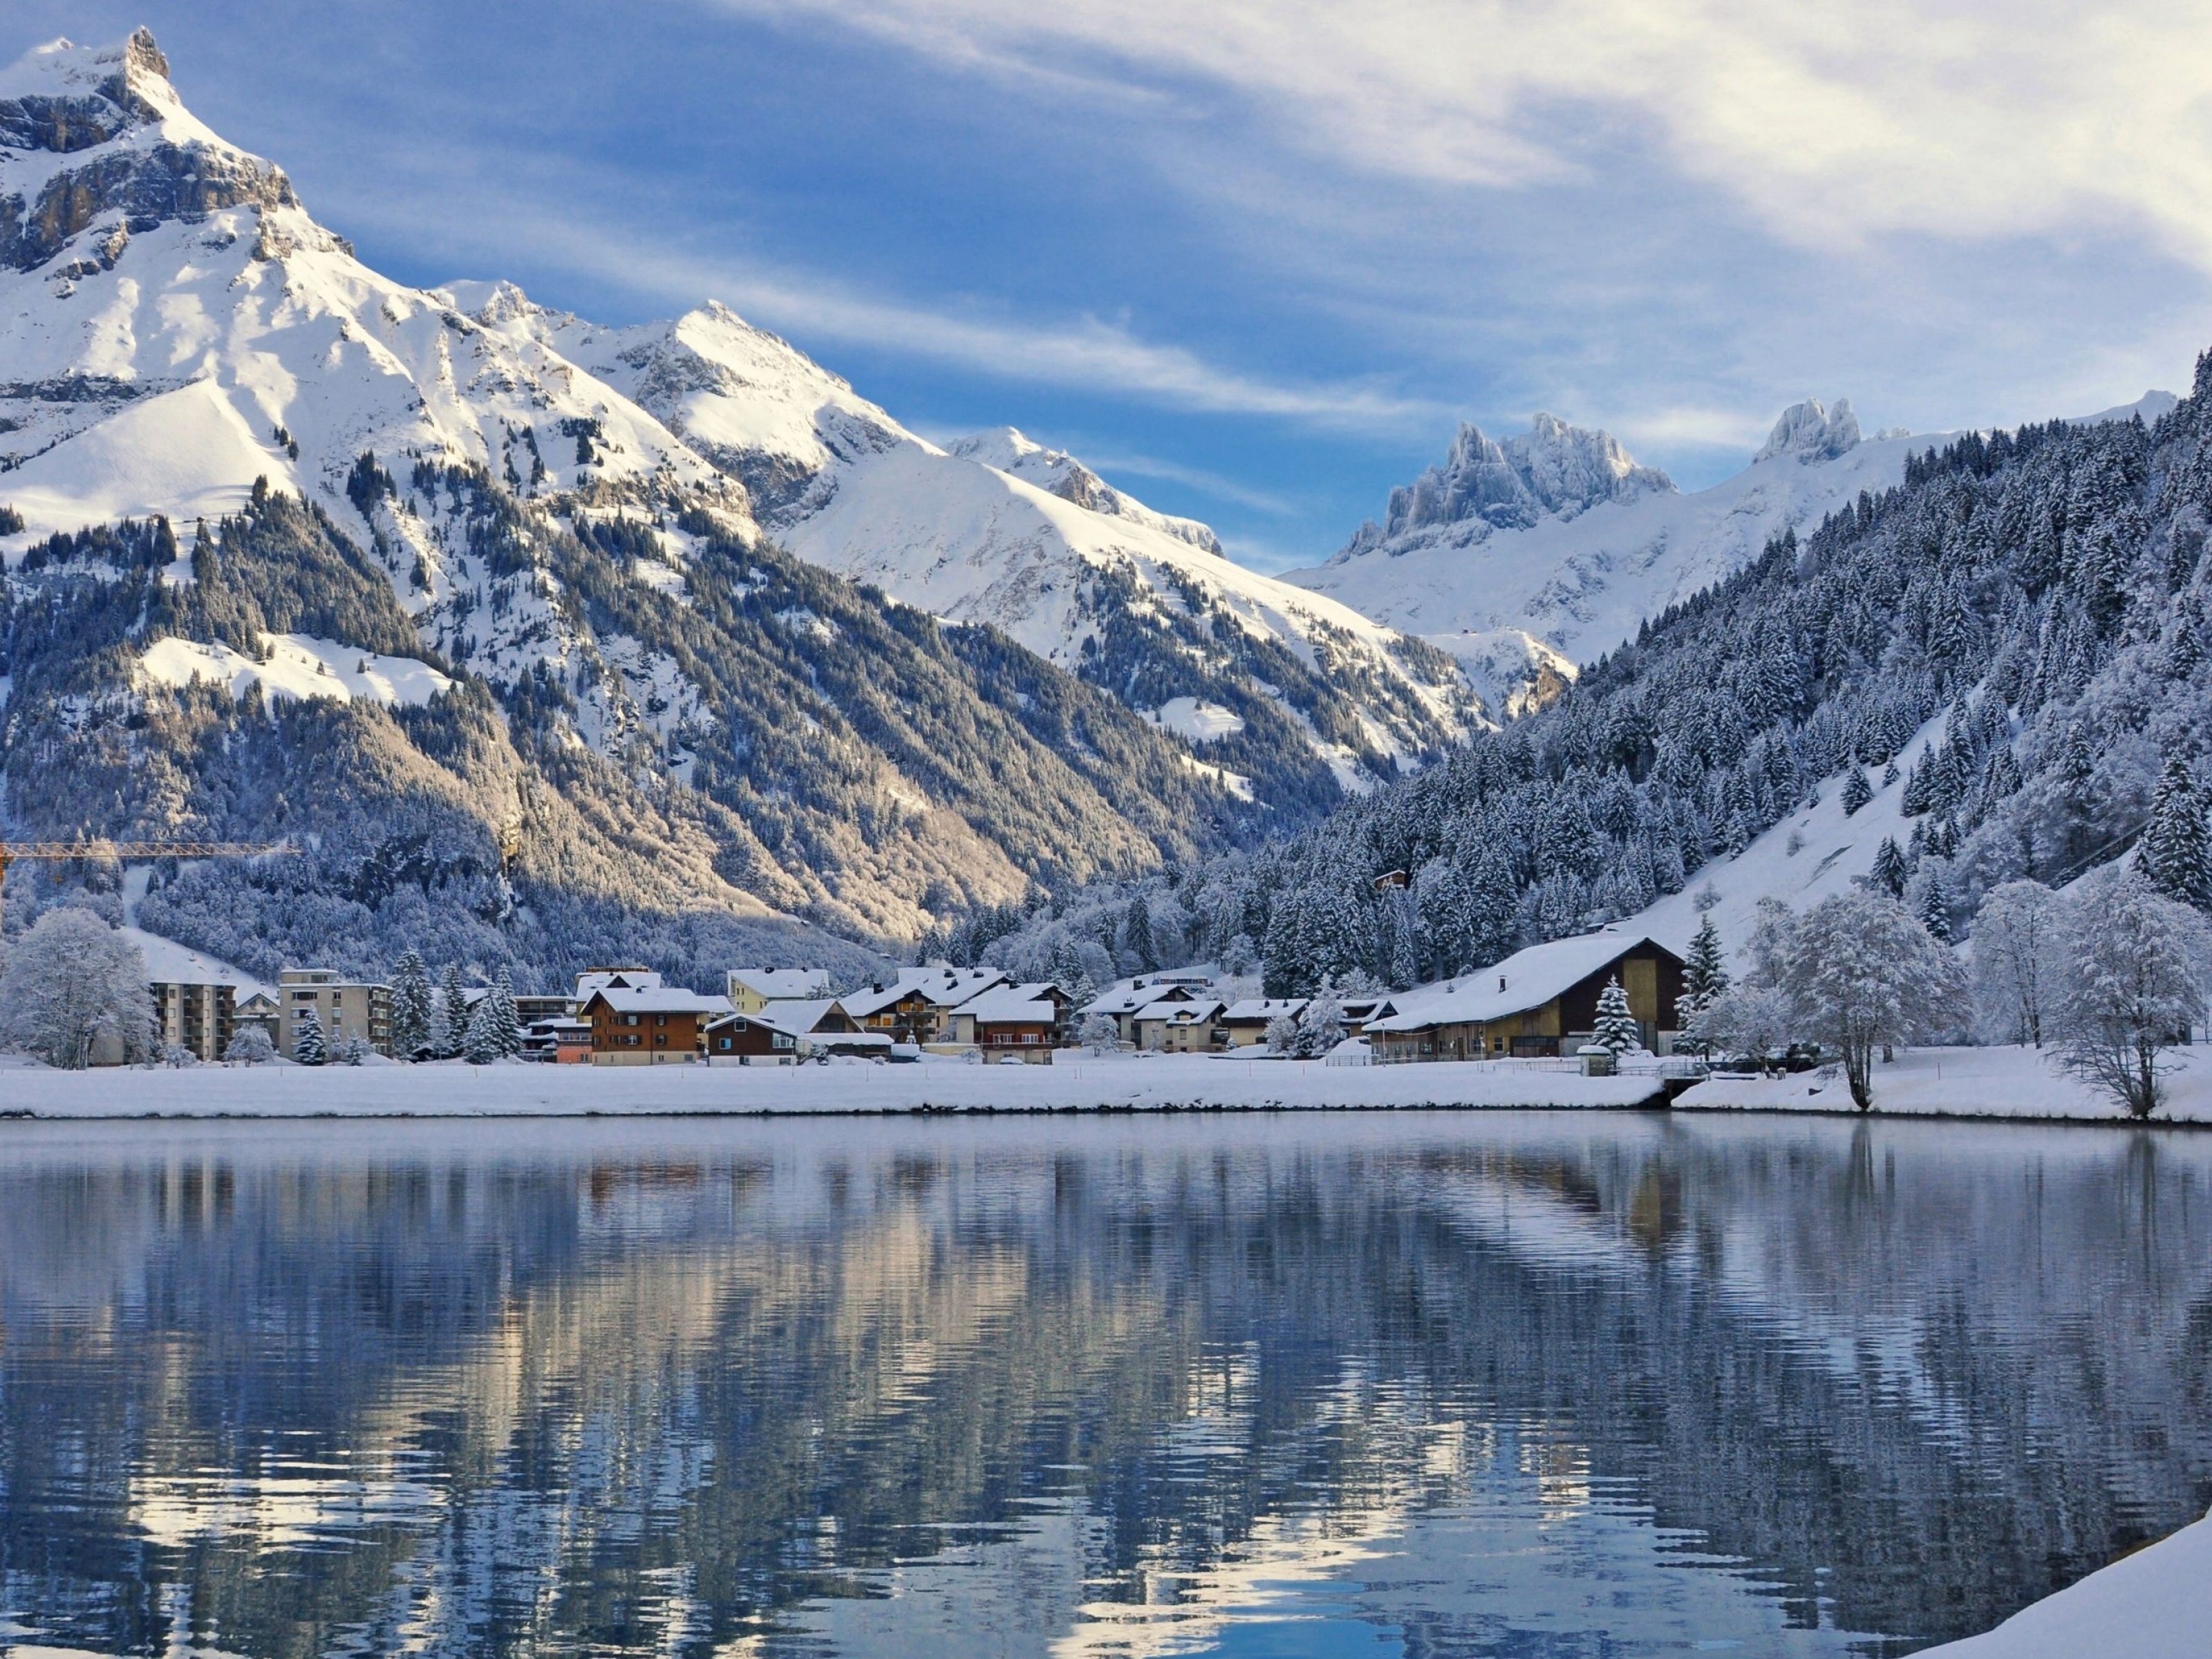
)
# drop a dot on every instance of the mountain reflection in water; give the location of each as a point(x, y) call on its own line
point(1489, 1385)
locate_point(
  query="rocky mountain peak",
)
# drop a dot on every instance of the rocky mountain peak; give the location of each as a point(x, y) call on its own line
point(97, 136)
point(1811, 434)
point(1551, 470)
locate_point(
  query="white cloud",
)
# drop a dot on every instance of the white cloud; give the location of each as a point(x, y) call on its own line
point(1828, 122)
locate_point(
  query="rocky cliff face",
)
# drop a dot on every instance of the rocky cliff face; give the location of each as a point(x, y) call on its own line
point(1551, 470)
point(1808, 433)
point(99, 137)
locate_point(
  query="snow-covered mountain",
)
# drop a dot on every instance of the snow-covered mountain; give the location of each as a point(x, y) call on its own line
point(999, 530)
point(1558, 533)
point(489, 606)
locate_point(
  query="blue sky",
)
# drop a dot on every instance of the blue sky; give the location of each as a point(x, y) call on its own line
point(1253, 260)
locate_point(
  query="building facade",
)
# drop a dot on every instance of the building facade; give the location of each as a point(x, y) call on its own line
point(200, 1018)
point(347, 1010)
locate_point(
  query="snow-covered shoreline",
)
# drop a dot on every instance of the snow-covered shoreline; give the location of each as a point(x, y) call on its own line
point(2000, 1084)
point(2004, 1082)
point(2149, 1604)
point(1153, 1084)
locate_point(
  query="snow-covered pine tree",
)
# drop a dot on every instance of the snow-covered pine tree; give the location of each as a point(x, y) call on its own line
point(2174, 857)
point(1705, 970)
point(1857, 791)
point(308, 1047)
point(481, 1045)
point(1137, 933)
point(1889, 866)
point(411, 1007)
point(451, 1028)
point(1617, 1029)
point(507, 1023)
point(1935, 911)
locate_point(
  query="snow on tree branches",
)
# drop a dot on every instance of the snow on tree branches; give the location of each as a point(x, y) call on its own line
point(75, 986)
point(2134, 986)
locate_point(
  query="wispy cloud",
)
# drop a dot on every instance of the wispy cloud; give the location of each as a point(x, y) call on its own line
point(1084, 353)
point(1988, 118)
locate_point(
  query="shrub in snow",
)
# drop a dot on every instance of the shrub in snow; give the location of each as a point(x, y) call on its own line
point(176, 1056)
point(2134, 985)
point(1283, 1036)
point(71, 982)
point(1859, 972)
point(249, 1046)
point(1617, 1030)
point(310, 1047)
point(2017, 962)
point(348, 1051)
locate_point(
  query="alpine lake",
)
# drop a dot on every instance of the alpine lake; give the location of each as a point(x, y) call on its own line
point(1521, 1385)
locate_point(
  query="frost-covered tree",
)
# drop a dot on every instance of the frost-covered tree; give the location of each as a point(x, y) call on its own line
point(1860, 972)
point(72, 981)
point(1745, 1019)
point(449, 1022)
point(309, 1046)
point(2136, 963)
point(1321, 1024)
point(482, 1044)
point(350, 1050)
point(1934, 907)
point(1617, 1029)
point(2174, 855)
point(1889, 867)
point(1137, 935)
point(505, 1019)
point(2017, 944)
point(1283, 1036)
point(249, 1046)
point(1705, 976)
point(411, 1006)
point(1099, 1033)
point(1857, 792)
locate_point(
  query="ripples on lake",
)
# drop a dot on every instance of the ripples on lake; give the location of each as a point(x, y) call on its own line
point(1495, 1384)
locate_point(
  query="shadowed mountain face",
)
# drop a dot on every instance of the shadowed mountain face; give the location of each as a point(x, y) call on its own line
point(1515, 1386)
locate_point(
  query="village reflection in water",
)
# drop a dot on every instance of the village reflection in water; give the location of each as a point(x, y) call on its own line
point(1495, 1384)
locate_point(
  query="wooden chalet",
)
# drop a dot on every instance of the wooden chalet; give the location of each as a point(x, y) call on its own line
point(648, 1024)
point(1540, 1002)
point(1027, 1021)
point(786, 1032)
point(918, 1006)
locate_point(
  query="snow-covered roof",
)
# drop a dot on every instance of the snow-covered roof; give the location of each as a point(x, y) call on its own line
point(944, 987)
point(1013, 1005)
point(1194, 1012)
point(1266, 1008)
point(1527, 979)
point(657, 1000)
point(170, 963)
point(781, 984)
point(598, 979)
point(1126, 996)
point(796, 1014)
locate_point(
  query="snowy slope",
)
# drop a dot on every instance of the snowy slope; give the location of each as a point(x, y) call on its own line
point(1834, 849)
point(1487, 543)
point(154, 369)
point(995, 530)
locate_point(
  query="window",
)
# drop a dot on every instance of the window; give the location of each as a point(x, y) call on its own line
point(661, 1019)
point(784, 1040)
point(629, 1020)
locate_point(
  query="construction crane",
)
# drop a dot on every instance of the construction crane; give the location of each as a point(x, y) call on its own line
point(55, 852)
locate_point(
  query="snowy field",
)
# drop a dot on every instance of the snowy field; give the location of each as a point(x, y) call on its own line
point(1999, 1082)
point(2150, 1605)
point(1153, 1083)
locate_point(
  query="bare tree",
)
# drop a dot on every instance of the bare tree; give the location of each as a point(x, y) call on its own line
point(2134, 984)
point(70, 980)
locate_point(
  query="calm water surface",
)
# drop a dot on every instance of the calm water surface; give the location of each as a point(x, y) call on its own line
point(1453, 1384)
